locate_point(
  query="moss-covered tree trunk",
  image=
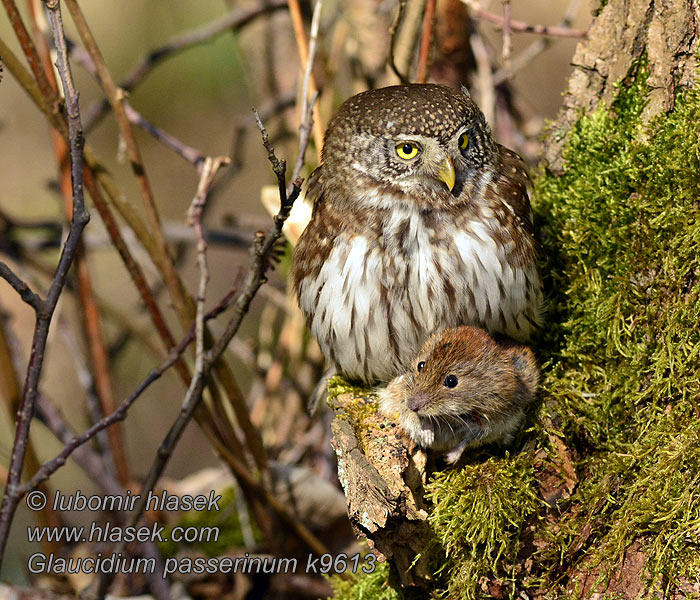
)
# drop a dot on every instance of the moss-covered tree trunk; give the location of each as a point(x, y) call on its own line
point(601, 491)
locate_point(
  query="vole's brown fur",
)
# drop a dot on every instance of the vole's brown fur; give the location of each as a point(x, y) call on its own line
point(495, 380)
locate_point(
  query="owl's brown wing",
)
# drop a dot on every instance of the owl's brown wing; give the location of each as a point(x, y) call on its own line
point(316, 241)
point(513, 186)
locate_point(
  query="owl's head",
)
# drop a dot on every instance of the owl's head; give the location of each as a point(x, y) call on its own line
point(423, 140)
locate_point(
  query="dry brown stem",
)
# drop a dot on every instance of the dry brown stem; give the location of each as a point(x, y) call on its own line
point(426, 42)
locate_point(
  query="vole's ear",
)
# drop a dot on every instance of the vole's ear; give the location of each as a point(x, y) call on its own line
point(527, 371)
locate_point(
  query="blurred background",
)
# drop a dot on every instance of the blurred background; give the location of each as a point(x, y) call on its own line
point(203, 96)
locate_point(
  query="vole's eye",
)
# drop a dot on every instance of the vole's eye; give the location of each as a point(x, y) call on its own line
point(421, 364)
point(451, 381)
point(407, 150)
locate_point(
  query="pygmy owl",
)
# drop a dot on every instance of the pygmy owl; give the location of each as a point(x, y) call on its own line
point(420, 222)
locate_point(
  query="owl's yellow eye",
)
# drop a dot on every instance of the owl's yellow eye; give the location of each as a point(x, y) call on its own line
point(463, 141)
point(407, 150)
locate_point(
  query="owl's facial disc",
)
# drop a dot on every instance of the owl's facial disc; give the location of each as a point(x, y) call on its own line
point(434, 162)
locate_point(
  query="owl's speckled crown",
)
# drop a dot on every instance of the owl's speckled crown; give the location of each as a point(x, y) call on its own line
point(420, 108)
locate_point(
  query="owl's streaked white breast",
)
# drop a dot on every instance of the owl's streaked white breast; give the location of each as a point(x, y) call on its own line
point(383, 297)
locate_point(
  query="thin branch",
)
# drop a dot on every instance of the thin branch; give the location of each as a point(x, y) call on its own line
point(262, 247)
point(231, 21)
point(22, 288)
point(481, 13)
point(194, 216)
point(507, 48)
point(303, 48)
point(191, 155)
point(304, 136)
point(308, 97)
point(98, 179)
point(76, 442)
point(535, 49)
point(28, 47)
point(92, 325)
point(426, 42)
point(487, 89)
point(162, 255)
point(392, 44)
point(88, 460)
point(154, 241)
point(44, 316)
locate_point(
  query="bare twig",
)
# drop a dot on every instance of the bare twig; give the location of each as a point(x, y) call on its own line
point(487, 90)
point(426, 42)
point(480, 12)
point(304, 135)
point(210, 168)
point(535, 49)
point(22, 288)
point(308, 98)
point(393, 32)
point(234, 19)
point(76, 442)
point(507, 48)
point(44, 316)
point(261, 252)
point(11, 392)
point(93, 332)
point(242, 124)
point(116, 97)
point(99, 182)
point(190, 154)
point(303, 48)
point(27, 47)
point(88, 460)
point(153, 239)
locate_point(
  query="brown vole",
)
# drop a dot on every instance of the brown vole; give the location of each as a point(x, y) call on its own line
point(464, 389)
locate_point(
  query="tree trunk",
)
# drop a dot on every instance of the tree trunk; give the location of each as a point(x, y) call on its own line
point(601, 491)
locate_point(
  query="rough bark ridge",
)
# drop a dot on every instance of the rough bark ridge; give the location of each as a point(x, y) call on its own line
point(383, 475)
point(667, 30)
point(594, 525)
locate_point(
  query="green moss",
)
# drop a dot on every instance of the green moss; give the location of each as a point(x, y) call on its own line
point(479, 512)
point(620, 353)
point(366, 586)
point(338, 385)
point(621, 228)
point(363, 402)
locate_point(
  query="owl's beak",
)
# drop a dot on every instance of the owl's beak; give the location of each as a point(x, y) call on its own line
point(446, 173)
